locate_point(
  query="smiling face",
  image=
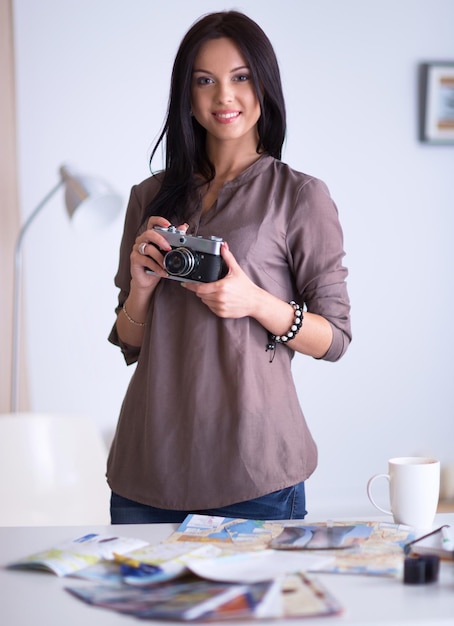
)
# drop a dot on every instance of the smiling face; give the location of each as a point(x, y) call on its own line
point(223, 96)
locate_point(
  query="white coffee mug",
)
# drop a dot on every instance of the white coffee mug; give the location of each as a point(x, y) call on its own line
point(414, 490)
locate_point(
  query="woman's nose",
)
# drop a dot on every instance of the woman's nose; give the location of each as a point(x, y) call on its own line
point(224, 92)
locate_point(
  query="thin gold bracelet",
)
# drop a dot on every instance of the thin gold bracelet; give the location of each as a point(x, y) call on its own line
point(129, 318)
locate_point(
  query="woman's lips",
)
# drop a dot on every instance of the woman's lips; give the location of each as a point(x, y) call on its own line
point(226, 117)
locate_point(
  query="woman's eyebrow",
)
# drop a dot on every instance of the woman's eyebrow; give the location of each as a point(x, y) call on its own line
point(235, 69)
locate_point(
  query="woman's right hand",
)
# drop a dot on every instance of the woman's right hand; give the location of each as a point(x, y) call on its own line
point(148, 254)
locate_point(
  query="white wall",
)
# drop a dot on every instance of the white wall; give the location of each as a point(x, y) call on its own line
point(92, 86)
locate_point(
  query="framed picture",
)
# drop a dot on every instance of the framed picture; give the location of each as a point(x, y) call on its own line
point(437, 103)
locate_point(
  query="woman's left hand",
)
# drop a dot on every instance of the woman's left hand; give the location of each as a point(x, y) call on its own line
point(233, 296)
point(236, 296)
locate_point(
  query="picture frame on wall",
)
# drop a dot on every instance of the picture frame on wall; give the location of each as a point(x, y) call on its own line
point(437, 103)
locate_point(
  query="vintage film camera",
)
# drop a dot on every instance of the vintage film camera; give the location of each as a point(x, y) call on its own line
point(192, 259)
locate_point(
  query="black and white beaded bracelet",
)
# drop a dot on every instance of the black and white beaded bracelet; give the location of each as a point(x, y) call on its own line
point(292, 331)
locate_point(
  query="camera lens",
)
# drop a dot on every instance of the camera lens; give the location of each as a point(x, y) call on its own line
point(179, 262)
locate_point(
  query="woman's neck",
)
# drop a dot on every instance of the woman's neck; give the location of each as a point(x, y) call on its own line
point(230, 159)
point(231, 169)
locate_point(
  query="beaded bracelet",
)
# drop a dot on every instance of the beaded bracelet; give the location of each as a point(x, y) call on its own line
point(292, 331)
point(129, 318)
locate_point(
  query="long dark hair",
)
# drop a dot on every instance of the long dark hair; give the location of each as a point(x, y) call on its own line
point(184, 138)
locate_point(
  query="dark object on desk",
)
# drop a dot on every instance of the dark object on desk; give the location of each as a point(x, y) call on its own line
point(420, 570)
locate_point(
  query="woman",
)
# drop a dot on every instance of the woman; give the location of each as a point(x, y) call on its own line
point(211, 421)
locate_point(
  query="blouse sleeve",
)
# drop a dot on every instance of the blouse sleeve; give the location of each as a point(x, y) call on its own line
point(140, 197)
point(315, 247)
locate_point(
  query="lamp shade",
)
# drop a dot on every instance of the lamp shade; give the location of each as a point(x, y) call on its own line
point(90, 202)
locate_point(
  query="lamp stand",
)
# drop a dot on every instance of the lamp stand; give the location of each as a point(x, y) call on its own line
point(17, 292)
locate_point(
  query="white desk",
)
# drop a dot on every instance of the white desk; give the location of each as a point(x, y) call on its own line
point(29, 598)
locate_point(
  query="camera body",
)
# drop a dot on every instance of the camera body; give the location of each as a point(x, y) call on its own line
point(193, 259)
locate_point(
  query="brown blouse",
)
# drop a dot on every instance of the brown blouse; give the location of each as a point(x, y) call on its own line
point(207, 420)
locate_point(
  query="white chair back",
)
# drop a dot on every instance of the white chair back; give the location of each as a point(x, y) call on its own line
point(52, 471)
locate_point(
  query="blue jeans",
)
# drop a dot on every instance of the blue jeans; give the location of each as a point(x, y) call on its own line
point(289, 503)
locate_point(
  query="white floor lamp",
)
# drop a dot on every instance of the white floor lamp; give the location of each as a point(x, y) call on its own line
point(96, 205)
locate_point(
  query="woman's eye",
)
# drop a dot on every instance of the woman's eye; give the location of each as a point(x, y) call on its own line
point(242, 78)
point(204, 80)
